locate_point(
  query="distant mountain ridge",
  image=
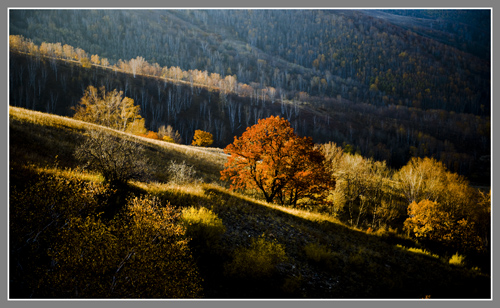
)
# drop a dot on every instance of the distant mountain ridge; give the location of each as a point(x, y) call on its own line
point(360, 55)
point(466, 30)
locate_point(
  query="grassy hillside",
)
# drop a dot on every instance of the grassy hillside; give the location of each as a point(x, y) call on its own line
point(392, 133)
point(262, 250)
point(48, 139)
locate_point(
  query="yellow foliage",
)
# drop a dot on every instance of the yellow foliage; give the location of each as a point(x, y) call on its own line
point(457, 260)
point(137, 127)
point(66, 250)
point(95, 59)
point(85, 63)
point(162, 262)
point(257, 261)
point(202, 138)
point(428, 220)
point(203, 226)
point(168, 139)
point(109, 109)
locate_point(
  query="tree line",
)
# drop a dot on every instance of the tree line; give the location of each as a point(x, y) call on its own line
point(422, 199)
point(332, 52)
point(394, 133)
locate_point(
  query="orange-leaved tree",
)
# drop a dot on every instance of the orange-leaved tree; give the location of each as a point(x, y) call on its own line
point(202, 138)
point(270, 157)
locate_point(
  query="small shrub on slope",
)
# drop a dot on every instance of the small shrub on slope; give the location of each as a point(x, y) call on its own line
point(321, 255)
point(457, 260)
point(203, 226)
point(257, 261)
point(181, 173)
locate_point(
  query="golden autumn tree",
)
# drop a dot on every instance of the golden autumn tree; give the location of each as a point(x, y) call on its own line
point(202, 138)
point(110, 109)
point(443, 207)
point(428, 220)
point(270, 157)
point(167, 133)
point(95, 59)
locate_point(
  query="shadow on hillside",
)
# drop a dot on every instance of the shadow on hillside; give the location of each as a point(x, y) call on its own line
point(362, 265)
point(359, 265)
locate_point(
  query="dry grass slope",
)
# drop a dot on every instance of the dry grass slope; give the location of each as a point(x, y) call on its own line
point(318, 256)
point(58, 135)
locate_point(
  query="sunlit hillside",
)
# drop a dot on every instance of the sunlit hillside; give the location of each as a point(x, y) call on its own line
point(387, 84)
point(250, 153)
point(189, 236)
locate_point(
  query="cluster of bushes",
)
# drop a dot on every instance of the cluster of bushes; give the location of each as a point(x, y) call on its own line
point(63, 247)
point(203, 227)
point(80, 238)
point(423, 199)
point(165, 133)
point(65, 236)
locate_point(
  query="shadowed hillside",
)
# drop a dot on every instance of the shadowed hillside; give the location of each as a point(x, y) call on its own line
point(212, 242)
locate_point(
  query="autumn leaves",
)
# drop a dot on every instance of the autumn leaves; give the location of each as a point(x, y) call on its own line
point(110, 109)
point(271, 158)
point(434, 203)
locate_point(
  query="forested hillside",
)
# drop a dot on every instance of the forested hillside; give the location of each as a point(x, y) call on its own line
point(250, 153)
point(386, 84)
point(328, 52)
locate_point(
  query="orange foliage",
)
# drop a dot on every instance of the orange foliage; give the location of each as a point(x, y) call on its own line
point(202, 139)
point(428, 220)
point(434, 221)
point(151, 135)
point(270, 157)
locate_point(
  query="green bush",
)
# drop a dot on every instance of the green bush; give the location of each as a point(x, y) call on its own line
point(203, 226)
point(257, 261)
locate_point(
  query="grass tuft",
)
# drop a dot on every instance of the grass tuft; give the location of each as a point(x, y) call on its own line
point(457, 260)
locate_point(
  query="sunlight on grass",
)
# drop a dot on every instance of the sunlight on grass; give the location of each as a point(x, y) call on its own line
point(418, 251)
point(158, 187)
point(58, 133)
point(312, 216)
point(457, 260)
point(304, 214)
point(45, 119)
point(71, 173)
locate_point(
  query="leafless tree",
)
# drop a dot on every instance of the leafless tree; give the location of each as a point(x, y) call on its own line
point(117, 159)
